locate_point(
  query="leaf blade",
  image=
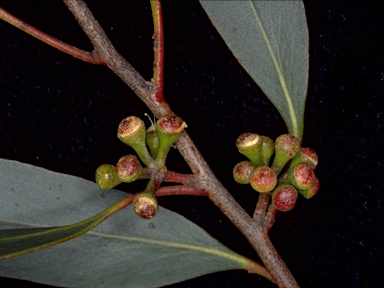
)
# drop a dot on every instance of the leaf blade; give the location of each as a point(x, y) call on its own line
point(114, 253)
point(270, 41)
point(16, 242)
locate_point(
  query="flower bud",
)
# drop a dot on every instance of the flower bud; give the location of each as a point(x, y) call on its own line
point(311, 191)
point(145, 206)
point(169, 129)
point(286, 147)
point(128, 168)
point(301, 176)
point(263, 179)
point(106, 177)
point(131, 131)
point(249, 144)
point(267, 150)
point(242, 171)
point(284, 197)
point(307, 156)
point(152, 141)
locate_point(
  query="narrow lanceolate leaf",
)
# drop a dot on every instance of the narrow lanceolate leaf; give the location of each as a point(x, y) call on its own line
point(16, 242)
point(123, 251)
point(270, 40)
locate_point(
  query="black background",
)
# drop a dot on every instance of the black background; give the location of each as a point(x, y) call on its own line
point(62, 114)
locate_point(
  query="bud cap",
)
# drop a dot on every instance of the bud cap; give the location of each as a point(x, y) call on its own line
point(311, 191)
point(128, 168)
point(263, 179)
point(131, 130)
point(169, 129)
point(242, 171)
point(284, 197)
point(249, 144)
point(307, 156)
point(145, 206)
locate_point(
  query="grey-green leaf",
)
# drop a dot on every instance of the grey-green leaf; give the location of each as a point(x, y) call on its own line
point(123, 251)
point(270, 40)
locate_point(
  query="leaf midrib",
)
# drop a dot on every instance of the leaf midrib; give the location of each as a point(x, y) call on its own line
point(278, 71)
point(217, 252)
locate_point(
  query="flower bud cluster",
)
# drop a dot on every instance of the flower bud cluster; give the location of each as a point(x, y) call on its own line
point(289, 172)
point(152, 147)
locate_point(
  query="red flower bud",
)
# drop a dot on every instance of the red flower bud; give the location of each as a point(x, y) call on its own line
point(284, 197)
point(311, 191)
point(263, 179)
point(307, 156)
point(145, 206)
point(304, 177)
point(128, 168)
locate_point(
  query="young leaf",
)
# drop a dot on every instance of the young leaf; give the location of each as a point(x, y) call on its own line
point(270, 41)
point(124, 251)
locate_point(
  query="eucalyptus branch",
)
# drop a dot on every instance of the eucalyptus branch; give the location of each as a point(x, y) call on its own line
point(204, 181)
point(146, 91)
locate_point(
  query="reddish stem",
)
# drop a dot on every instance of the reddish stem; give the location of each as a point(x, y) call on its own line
point(180, 190)
point(158, 47)
point(179, 178)
point(52, 41)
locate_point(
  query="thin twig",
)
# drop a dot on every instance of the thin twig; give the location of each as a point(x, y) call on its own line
point(179, 178)
point(261, 208)
point(48, 39)
point(145, 90)
point(270, 217)
point(158, 48)
point(180, 190)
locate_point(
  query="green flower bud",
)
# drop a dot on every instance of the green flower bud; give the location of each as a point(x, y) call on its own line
point(169, 129)
point(131, 131)
point(152, 141)
point(242, 171)
point(145, 206)
point(267, 150)
point(249, 144)
point(307, 156)
point(106, 177)
point(128, 168)
point(311, 191)
point(286, 147)
point(263, 179)
point(284, 197)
